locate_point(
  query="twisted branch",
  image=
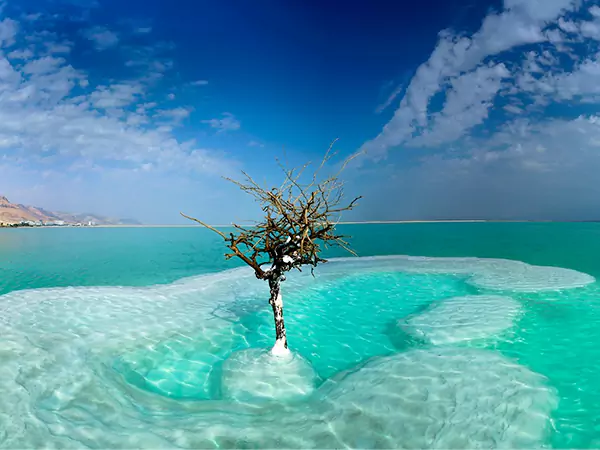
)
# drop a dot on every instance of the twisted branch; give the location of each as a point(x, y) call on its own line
point(297, 220)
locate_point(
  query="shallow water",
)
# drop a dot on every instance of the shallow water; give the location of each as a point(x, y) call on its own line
point(387, 352)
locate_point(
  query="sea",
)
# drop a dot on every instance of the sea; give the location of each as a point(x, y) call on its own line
point(436, 335)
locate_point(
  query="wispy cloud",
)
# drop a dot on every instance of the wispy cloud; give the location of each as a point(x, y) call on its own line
point(58, 47)
point(395, 93)
point(456, 56)
point(32, 17)
point(176, 114)
point(8, 31)
point(199, 83)
point(509, 118)
point(102, 37)
point(255, 144)
point(227, 123)
point(21, 54)
point(52, 116)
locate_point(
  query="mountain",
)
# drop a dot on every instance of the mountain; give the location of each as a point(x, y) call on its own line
point(15, 213)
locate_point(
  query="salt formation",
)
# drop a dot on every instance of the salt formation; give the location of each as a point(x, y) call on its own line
point(494, 274)
point(256, 374)
point(522, 277)
point(462, 319)
point(110, 367)
point(448, 398)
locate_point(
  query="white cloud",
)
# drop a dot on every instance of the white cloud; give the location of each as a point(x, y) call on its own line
point(468, 102)
point(44, 123)
point(526, 170)
point(59, 47)
point(580, 83)
point(21, 54)
point(116, 95)
point(149, 59)
point(8, 31)
point(199, 83)
point(32, 17)
point(43, 65)
point(227, 123)
point(177, 114)
point(102, 37)
point(513, 109)
point(590, 29)
point(522, 22)
point(568, 26)
point(395, 93)
point(143, 30)
point(255, 144)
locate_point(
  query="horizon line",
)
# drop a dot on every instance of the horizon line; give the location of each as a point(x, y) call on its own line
point(366, 222)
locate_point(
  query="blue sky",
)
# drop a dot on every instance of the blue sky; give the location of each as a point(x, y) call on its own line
point(459, 109)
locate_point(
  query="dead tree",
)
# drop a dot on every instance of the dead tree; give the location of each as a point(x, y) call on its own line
point(299, 222)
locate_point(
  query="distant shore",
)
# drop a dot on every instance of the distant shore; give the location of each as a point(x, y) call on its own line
point(341, 223)
point(370, 222)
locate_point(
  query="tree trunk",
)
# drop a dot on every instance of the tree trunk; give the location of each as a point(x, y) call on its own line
point(276, 301)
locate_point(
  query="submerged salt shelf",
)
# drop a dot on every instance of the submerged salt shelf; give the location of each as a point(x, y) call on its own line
point(257, 374)
point(494, 274)
point(184, 364)
point(463, 319)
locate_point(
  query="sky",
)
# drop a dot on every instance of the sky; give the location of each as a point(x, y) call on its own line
point(457, 109)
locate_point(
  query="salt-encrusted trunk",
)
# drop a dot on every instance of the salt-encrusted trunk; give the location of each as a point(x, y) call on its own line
point(276, 301)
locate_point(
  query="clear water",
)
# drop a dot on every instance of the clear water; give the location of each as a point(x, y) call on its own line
point(387, 352)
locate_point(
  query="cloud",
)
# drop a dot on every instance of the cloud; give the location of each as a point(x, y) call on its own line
point(102, 37)
point(32, 17)
point(526, 170)
point(522, 22)
point(500, 124)
point(149, 59)
point(468, 101)
point(54, 118)
point(176, 114)
point(8, 31)
point(116, 95)
point(143, 30)
point(21, 54)
point(395, 93)
point(59, 47)
point(227, 123)
point(255, 144)
point(199, 83)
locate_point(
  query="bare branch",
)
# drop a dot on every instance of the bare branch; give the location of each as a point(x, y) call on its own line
point(297, 219)
point(205, 225)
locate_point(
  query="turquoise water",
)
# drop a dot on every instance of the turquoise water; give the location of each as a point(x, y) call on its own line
point(159, 342)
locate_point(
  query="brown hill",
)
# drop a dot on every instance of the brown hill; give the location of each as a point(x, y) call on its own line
point(14, 213)
point(11, 213)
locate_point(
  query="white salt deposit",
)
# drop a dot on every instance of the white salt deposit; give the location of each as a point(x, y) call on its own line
point(110, 367)
point(463, 319)
point(521, 277)
point(258, 374)
point(494, 274)
point(448, 398)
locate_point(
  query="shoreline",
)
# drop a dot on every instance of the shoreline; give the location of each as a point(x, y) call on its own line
point(368, 222)
point(373, 222)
